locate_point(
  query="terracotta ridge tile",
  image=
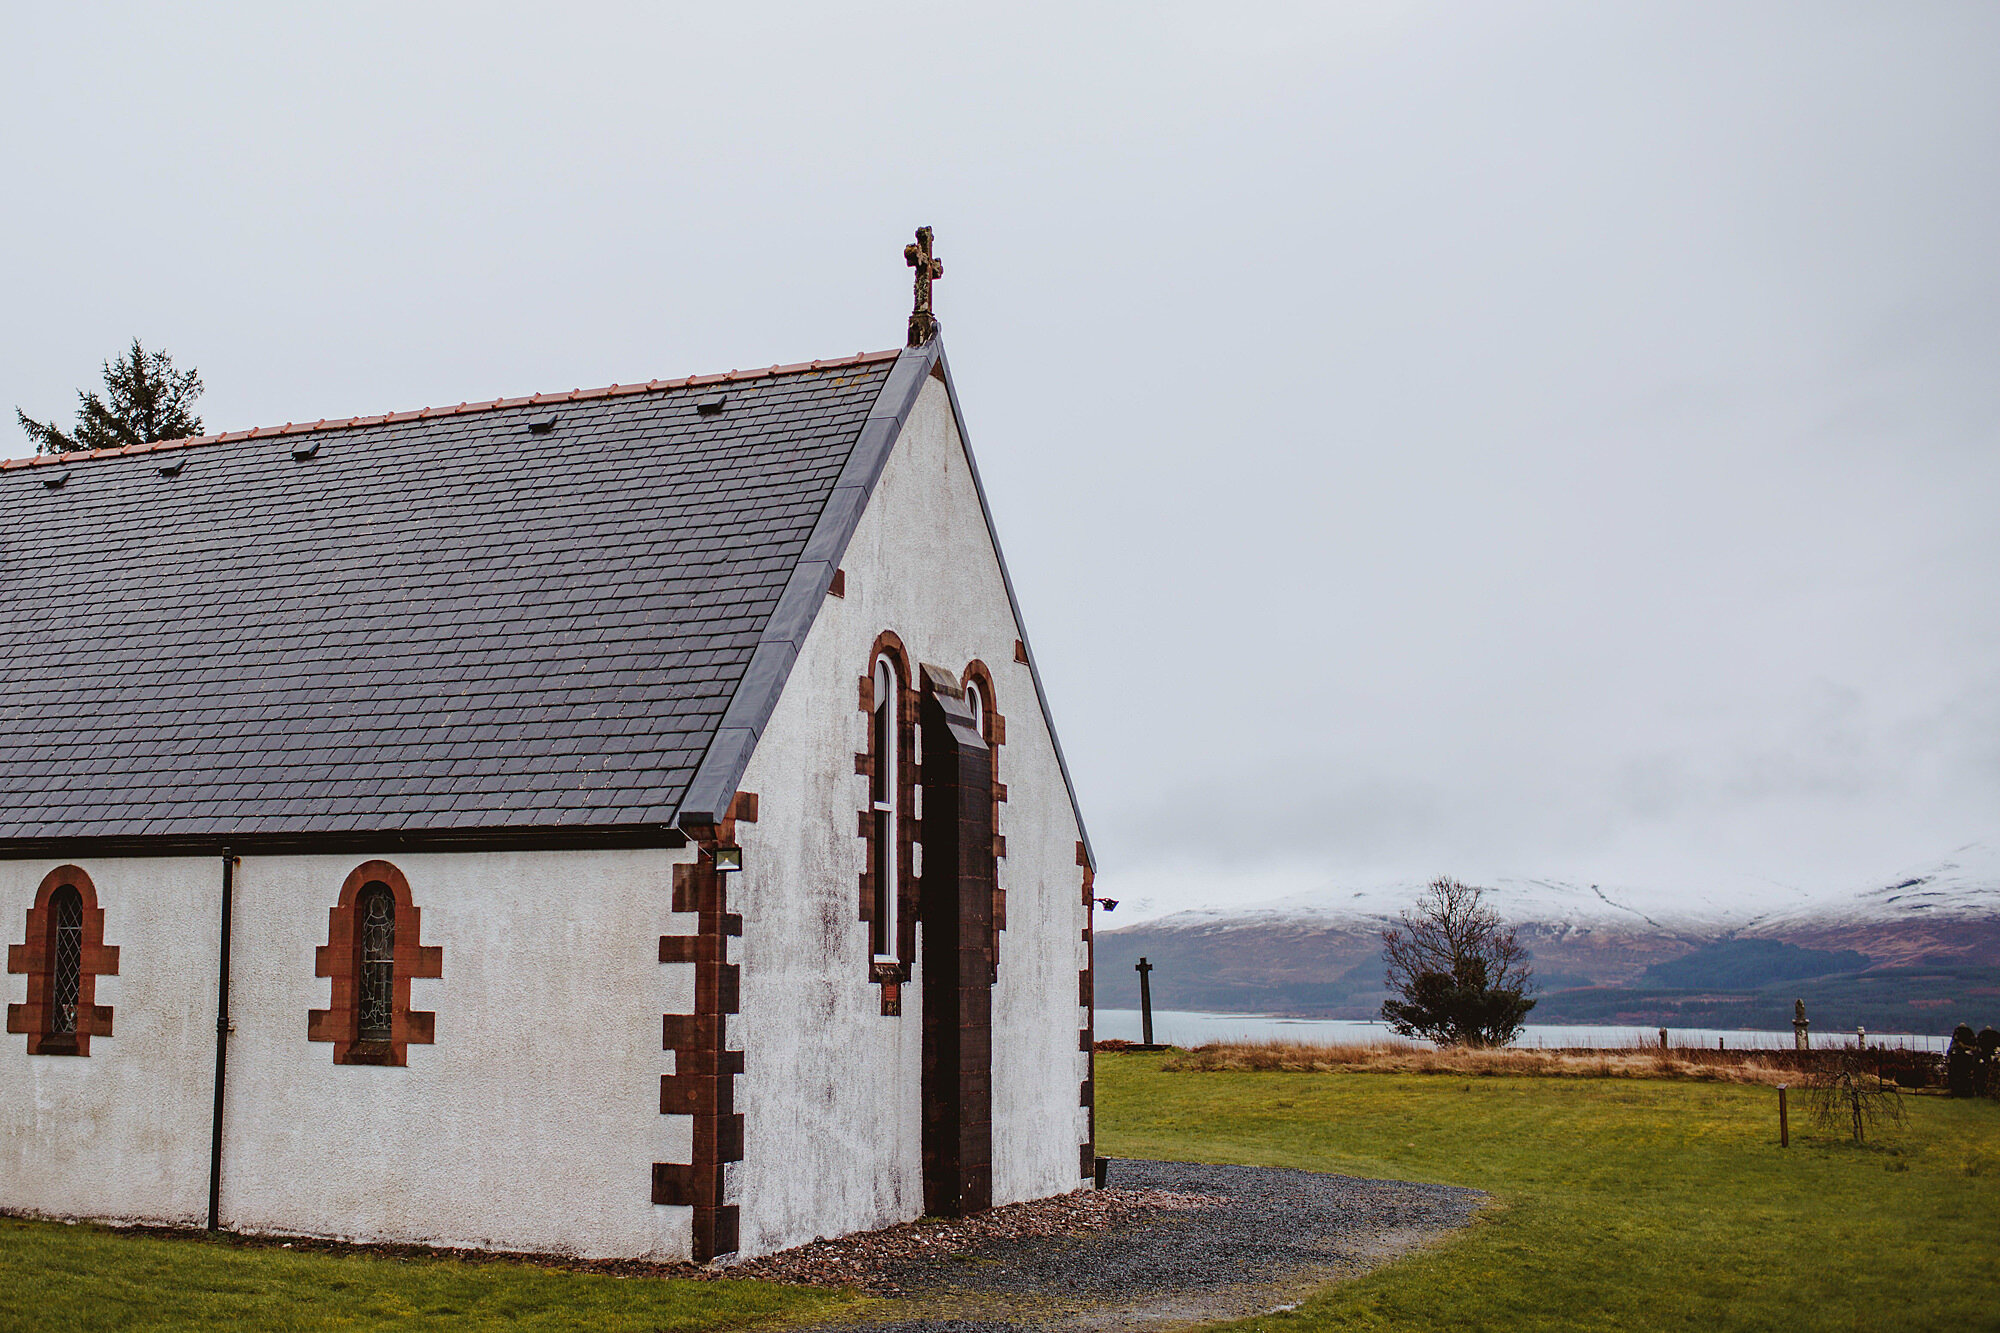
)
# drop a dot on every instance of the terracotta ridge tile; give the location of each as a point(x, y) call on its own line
point(424, 413)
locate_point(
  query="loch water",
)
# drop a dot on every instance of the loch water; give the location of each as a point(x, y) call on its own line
point(1179, 1027)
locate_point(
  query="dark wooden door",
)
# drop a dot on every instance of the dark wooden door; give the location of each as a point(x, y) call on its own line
point(956, 909)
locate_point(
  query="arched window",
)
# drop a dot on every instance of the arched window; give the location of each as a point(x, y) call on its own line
point(376, 967)
point(372, 952)
point(63, 953)
point(66, 947)
point(976, 701)
point(888, 906)
point(977, 681)
point(884, 789)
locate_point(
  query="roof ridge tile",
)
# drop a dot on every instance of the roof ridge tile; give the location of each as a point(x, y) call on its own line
point(464, 408)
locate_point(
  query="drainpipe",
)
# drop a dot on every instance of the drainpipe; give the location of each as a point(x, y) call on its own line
point(222, 1026)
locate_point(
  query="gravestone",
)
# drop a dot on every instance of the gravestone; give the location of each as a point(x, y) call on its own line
point(1961, 1059)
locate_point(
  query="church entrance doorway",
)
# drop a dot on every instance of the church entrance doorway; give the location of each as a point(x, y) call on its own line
point(956, 909)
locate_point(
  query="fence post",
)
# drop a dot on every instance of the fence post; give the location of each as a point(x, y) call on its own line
point(1784, 1125)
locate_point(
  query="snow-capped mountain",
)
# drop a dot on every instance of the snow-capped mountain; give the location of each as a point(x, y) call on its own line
point(1930, 938)
point(1965, 884)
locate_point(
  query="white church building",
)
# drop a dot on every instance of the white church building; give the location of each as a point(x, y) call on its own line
point(617, 823)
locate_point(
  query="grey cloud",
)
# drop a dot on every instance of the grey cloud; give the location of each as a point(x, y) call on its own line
point(1520, 438)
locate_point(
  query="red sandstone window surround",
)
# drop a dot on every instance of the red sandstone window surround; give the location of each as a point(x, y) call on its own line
point(64, 954)
point(373, 950)
point(977, 682)
point(884, 786)
point(888, 819)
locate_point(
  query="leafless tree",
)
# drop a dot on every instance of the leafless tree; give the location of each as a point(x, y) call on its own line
point(1460, 975)
point(1847, 1095)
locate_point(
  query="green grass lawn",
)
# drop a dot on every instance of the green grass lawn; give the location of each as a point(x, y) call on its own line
point(1617, 1203)
point(54, 1276)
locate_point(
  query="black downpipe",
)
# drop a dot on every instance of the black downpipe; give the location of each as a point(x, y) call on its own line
point(221, 1046)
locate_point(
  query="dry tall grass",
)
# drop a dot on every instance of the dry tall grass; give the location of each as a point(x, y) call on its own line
point(1405, 1058)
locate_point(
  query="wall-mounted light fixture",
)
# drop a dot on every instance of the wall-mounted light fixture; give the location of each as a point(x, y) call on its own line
point(728, 859)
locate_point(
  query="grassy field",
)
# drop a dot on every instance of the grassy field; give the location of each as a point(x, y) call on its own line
point(54, 1276)
point(1619, 1203)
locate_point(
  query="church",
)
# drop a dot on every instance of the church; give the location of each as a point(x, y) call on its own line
point(617, 823)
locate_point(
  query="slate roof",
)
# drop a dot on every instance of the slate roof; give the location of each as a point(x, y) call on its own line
point(439, 621)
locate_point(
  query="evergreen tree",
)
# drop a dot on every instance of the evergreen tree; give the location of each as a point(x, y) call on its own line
point(145, 399)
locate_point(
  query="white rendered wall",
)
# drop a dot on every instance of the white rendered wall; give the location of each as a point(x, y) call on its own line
point(123, 1132)
point(532, 1123)
point(831, 1091)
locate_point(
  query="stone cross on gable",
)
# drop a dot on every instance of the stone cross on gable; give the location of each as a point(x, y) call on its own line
point(923, 324)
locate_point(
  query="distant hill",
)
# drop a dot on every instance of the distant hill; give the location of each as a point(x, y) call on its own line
point(1915, 954)
point(1748, 964)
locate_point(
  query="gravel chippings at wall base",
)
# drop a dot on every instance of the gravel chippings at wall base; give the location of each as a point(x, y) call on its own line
point(1222, 1242)
point(872, 1260)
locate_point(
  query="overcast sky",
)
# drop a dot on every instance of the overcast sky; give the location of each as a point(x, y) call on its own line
point(1548, 440)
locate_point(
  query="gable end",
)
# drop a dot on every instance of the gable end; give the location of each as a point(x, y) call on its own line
point(750, 708)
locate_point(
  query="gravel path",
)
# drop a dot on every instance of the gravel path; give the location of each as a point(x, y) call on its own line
point(1259, 1238)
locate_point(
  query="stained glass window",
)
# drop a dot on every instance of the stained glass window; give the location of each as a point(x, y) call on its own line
point(378, 962)
point(68, 905)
